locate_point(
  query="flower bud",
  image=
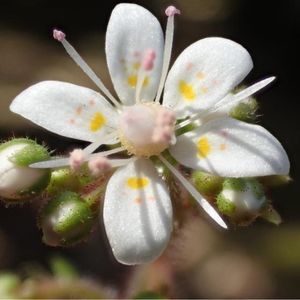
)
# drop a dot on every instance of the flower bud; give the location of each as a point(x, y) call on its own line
point(17, 180)
point(206, 184)
point(241, 199)
point(66, 220)
point(62, 180)
point(245, 111)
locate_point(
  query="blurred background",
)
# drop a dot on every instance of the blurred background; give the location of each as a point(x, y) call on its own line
point(259, 261)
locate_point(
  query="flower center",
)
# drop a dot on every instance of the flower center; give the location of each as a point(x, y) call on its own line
point(146, 129)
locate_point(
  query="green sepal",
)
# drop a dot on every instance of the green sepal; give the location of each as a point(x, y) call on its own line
point(225, 206)
point(66, 220)
point(207, 184)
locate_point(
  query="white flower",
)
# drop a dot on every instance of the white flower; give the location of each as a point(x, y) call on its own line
point(137, 207)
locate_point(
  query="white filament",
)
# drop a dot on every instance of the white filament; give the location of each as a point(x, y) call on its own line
point(63, 162)
point(167, 55)
point(93, 146)
point(88, 71)
point(236, 99)
point(203, 202)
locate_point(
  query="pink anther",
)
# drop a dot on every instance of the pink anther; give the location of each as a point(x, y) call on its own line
point(148, 60)
point(98, 165)
point(165, 118)
point(162, 134)
point(171, 11)
point(76, 159)
point(58, 35)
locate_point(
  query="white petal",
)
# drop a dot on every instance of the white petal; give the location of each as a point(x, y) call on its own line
point(204, 73)
point(131, 30)
point(230, 148)
point(67, 109)
point(137, 213)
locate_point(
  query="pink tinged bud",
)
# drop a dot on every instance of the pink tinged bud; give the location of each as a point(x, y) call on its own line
point(171, 11)
point(98, 165)
point(148, 60)
point(58, 35)
point(76, 159)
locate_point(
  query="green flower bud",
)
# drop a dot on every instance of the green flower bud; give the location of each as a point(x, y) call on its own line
point(241, 199)
point(17, 180)
point(62, 180)
point(9, 283)
point(206, 184)
point(245, 111)
point(66, 220)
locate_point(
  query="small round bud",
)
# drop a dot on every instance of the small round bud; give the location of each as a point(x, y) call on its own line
point(66, 220)
point(245, 111)
point(62, 180)
point(9, 283)
point(241, 199)
point(207, 184)
point(17, 180)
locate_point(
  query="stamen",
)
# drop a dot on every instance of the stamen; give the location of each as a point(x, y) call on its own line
point(146, 65)
point(171, 11)
point(236, 99)
point(60, 36)
point(93, 146)
point(191, 189)
point(164, 127)
point(76, 159)
point(63, 162)
point(98, 165)
point(247, 92)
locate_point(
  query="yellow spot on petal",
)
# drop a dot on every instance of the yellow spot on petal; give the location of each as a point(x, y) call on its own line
point(136, 66)
point(132, 81)
point(187, 91)
point(146, 81)
point(204, 147)
point(222, 147)
point(137, 182)
point(200, 75)
point(203, 89)
point(97, 121)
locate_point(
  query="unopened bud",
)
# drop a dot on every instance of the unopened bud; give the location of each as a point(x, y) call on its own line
point(245, 111)
point(62, 180)
point(17, 180)
point(241, 199)
point(66, 220)
point(206, 184)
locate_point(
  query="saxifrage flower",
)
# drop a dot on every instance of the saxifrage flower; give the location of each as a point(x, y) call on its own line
point(198, 88)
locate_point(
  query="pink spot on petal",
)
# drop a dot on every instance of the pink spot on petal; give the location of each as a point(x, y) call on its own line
point(92, 102)
point(189, 66)
point(71, 121)
point(171, 11)
point(58, 35)
point(148, 60)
